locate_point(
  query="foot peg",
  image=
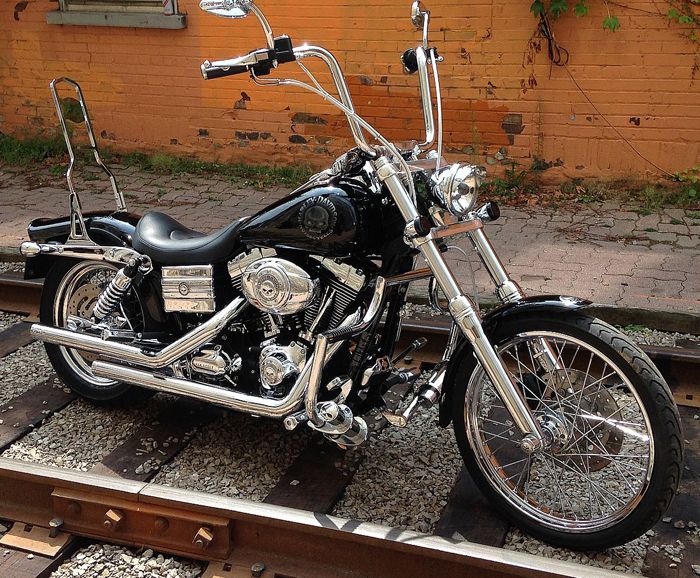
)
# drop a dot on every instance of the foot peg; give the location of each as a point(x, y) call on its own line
point(426, 397)
point(339, 425)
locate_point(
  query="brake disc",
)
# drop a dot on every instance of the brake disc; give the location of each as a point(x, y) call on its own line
point(595, 434)
point(81, 304)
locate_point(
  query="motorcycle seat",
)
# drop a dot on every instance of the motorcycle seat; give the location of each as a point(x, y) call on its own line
point(168, 242)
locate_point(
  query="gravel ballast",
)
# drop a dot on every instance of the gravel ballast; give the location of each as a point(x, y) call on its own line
point(23, 369)
point(8, 319)
point(405, 477)
point(238, 455)
point(107, 561)
point(79, 436)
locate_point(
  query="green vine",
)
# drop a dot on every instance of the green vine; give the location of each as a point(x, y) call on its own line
point(683, 12)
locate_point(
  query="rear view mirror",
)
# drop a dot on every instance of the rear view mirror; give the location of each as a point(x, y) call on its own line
point(227, 8)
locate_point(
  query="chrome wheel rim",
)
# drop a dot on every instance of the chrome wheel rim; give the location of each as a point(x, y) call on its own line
point(596, 468)
point(76, 295)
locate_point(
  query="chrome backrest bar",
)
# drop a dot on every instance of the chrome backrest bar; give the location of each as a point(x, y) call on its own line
point(78, 232)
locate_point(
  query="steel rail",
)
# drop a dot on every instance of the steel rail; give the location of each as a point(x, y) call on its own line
point(289, 542)
point(18, 295)
point(678, 365)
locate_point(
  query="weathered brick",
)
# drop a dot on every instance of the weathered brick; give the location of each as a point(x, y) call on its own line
point(143, 85)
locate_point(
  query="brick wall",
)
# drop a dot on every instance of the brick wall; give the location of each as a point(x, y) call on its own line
point(145, 92)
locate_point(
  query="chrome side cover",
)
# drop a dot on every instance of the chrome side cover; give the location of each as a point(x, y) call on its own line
point(278, 286)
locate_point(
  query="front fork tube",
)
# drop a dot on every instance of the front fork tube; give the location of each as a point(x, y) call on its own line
point(509, 291)
point(467, 319)
point(465, 315)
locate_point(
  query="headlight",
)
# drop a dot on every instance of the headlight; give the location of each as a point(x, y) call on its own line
point(456, 187)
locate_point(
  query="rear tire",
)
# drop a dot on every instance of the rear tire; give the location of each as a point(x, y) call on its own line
point(68, 290)
point(601, 447)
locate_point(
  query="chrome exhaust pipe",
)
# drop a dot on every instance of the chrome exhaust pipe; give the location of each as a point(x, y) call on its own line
point(135, 355)
point(277, 408)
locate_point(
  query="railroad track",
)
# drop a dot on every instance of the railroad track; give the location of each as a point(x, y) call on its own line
point(117, 501)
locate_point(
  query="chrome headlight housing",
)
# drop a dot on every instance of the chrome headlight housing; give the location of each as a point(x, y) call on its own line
point(456, 187)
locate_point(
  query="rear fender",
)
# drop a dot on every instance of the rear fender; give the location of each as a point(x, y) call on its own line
point(105, 228)
point(528, 306)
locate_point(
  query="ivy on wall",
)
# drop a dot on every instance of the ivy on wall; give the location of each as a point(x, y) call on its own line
point(683, 12)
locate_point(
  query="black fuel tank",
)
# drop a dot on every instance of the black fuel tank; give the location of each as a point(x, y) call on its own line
point(338, 219)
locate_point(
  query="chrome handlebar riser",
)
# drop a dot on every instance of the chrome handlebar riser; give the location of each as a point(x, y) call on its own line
point(341, 86)
point(424, 83)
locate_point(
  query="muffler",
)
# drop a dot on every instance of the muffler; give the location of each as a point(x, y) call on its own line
point(135, 355)
point(222, 396)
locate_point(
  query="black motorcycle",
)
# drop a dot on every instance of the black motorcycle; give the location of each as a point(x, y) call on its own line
point(294, 313)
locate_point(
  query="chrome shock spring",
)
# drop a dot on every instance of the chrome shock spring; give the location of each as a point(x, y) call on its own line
point(112, 295)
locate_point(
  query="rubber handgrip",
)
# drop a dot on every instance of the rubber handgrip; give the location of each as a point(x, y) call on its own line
point(210, 73)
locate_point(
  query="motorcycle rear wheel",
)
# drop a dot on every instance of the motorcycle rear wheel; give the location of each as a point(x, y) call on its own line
point(616, 460)
point(72, 288)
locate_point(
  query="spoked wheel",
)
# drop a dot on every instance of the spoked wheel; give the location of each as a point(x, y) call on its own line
point(613, 457)
point(70, 292)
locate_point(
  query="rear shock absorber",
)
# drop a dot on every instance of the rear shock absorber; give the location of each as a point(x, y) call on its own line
point(110, 298)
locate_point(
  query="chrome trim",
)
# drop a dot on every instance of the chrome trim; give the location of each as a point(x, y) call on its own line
point(324, 340)
point(268, 407)
point(188, 288)
point(426, 99)
point(460, 306)
point(76, 215)
point(508, 291)
point(199, 336)
point(117, 255)
point(238, 265)
point(278, 286)
point(526, 505)
point(346, 274)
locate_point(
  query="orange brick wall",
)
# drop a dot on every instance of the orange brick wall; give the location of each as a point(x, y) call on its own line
point(145, 92)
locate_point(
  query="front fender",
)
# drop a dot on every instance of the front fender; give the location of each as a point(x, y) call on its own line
point(527, 306)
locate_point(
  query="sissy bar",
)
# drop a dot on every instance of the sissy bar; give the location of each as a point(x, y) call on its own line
point(78, 232)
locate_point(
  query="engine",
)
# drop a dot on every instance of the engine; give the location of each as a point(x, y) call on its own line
point(294, 302)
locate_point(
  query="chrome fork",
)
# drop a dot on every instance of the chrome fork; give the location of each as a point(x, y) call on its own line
point(460, 306)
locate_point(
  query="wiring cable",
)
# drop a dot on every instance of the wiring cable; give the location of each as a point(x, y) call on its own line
point(559, 56)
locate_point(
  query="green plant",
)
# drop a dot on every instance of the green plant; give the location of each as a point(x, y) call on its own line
point(513, 183)
point(676, 222)
point(557, 8)
point(691, 175)
point(693, 214)
point(14, 151)
point(682, 12)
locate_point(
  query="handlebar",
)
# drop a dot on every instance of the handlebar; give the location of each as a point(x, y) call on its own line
point(258, 62)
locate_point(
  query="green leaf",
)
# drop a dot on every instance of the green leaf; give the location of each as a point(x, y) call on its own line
point(611, 23)
point(557, 8)
point(685, 19)
point(673, 14)
point(537, 8)
point(580, 8)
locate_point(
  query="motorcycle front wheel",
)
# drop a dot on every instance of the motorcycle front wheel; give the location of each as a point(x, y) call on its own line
point(615, 459)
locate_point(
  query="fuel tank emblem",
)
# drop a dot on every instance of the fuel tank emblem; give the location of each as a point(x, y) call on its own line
point(317, 217)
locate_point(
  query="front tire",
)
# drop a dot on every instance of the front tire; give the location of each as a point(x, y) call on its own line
point(617, 457)
point(71, 288)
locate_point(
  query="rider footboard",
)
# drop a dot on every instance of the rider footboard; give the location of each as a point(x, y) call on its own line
point(78, 231)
